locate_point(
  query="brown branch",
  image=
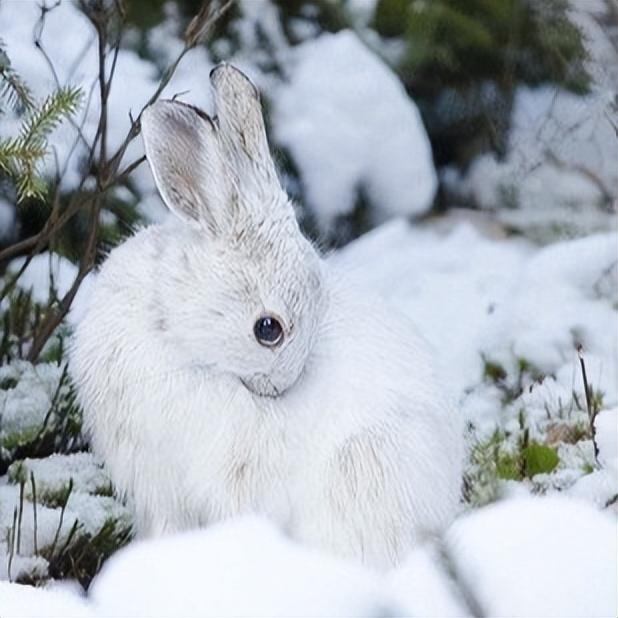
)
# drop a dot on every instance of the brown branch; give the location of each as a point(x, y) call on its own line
point(54, 318)
point(88, 259)
point(126, 172)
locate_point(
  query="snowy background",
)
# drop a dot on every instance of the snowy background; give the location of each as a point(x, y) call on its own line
point(506, 258)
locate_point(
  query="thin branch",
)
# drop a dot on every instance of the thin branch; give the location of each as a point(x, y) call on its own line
point(108, 169)
point(592, 411)
point(122, 176)
point(54, 318)
point(608, 197)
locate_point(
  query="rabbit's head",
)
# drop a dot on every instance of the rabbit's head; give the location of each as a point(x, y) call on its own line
point(246, 292)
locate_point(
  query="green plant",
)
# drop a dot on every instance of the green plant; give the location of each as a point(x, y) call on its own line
point(20, 156)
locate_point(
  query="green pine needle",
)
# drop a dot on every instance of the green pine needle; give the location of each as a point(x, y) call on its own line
point(20, 157)
point(12, 89)
point(42, 121)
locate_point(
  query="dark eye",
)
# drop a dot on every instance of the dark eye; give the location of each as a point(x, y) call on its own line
point(268, 331)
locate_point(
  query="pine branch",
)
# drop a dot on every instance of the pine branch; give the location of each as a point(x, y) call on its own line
point(20, 156)
point(14, 150)
point(57, 106)
point(12, 88)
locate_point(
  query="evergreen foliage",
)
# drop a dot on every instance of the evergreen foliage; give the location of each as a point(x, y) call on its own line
point(21, 155)
point(463, 61)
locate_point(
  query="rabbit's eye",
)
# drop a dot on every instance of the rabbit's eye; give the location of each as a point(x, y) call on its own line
point(268, 331)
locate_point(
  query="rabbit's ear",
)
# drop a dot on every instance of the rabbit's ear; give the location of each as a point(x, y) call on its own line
point(241, 129)
point(186, 160)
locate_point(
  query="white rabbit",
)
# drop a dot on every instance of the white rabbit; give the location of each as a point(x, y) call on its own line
point(224, 367)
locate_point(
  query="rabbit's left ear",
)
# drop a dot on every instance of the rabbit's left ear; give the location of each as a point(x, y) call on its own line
point(241, 130)
point(188, 166)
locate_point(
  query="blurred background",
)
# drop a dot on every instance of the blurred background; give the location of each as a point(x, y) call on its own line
point(376, 108)
point(460, 156)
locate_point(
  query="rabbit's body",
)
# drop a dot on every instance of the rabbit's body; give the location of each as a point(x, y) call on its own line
point(341, 434)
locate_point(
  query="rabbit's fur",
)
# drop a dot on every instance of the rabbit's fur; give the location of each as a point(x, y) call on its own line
point(341, 434)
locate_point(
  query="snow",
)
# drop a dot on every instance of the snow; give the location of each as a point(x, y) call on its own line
point(336, 116)
point(27, 394)
point(520, 557)
point(18, 601)
point(49, 275)
point(423, 588)
point(476, 293)
point(44, 270)
point(88, 513)
point(606, 424)
point(240, 568)
point(24, 407)
point(472, 294)
point(451, 283)
point(537, 557)
point(77, 65)
point(54, 473)
point(560, 173)
point(599, 488)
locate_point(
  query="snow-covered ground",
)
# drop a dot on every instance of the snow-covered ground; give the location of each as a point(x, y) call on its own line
point(505, 317)
point(515, 558)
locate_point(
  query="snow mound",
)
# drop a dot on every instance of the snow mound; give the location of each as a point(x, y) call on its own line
point(537, 557)
point(476, 295)
point(451, 284)
point(423, 587)
point(521, 557)
point(17, 601)
point(240, 568)
point(349, 124)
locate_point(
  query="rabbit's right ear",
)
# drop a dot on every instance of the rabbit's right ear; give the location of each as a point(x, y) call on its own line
point(185, 158)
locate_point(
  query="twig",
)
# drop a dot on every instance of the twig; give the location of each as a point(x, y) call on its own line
point(34, 515)
point(61, 521)
point(74, 528)
point(608, 197)
point(54, 318)
point(12, 545)
point(22, 483)
point(592, 411)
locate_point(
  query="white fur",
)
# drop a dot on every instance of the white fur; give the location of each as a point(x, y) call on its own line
point(342, 435)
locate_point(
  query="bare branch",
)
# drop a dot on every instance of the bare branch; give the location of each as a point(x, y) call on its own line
point(108, 168)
